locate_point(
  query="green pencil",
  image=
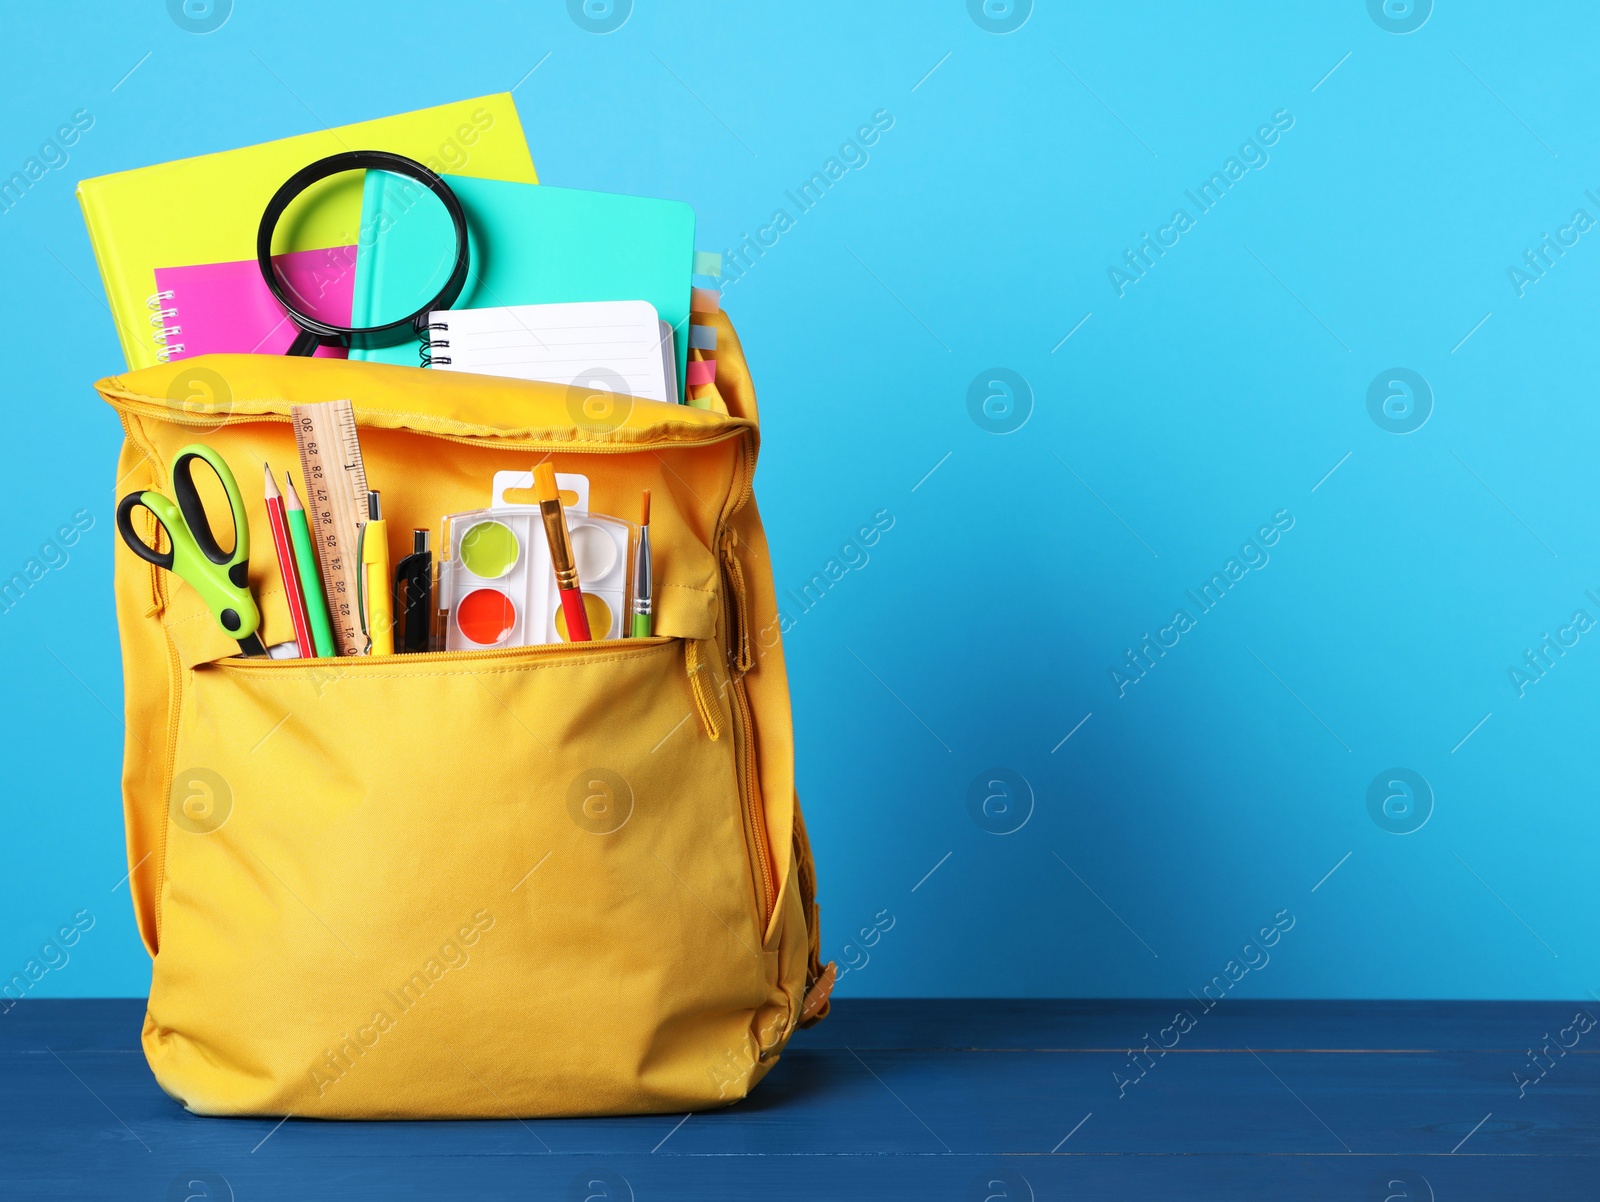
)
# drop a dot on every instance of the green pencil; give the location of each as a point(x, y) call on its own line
point(305, 556)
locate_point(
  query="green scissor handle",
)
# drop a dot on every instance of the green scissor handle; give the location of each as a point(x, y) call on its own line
point(220, 577)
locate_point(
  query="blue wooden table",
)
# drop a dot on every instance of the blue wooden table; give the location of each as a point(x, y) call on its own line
point(1395, 1101)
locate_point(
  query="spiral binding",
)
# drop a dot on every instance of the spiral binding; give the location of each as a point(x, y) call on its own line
point(429, 345)
point(162, 334)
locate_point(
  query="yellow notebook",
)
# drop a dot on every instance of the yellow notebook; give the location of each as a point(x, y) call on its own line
point(207, 209)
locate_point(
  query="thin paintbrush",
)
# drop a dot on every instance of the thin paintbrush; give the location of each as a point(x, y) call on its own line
point(641, 574)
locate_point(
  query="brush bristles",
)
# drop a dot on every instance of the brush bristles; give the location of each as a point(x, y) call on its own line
point(644, 509)
point(544, 481)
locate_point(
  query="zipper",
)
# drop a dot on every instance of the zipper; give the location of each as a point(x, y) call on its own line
point(754, 813)
point(706, 438)
point(737, 626)
point(739, 634)
point(174, 713)
point(528, 651)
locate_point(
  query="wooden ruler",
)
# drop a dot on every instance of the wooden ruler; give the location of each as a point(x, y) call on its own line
point(336, 506)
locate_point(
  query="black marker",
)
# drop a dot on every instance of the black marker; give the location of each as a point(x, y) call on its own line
point(413, 595)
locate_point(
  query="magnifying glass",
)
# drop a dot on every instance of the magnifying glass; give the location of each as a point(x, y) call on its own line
point(314, 331)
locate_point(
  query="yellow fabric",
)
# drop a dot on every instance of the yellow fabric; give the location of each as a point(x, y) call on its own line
point(207, 209)
point(391, 887)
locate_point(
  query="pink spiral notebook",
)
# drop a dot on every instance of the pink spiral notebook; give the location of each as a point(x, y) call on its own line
point(226, 308)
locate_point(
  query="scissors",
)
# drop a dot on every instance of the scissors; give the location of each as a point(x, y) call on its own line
point(220, 577)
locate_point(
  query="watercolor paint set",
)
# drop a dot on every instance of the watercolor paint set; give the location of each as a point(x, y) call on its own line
point(500, 587)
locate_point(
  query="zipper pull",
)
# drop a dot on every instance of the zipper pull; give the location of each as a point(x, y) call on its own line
point(739, 637)
point(702, 685)
point(157, 602)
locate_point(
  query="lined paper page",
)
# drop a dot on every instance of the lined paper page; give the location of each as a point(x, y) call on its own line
point(615, 345)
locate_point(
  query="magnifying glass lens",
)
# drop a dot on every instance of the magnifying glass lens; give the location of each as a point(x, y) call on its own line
point(409, 221)
point(322, 233)
point(419, 246)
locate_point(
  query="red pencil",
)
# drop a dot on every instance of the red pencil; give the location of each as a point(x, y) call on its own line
point(294, 593)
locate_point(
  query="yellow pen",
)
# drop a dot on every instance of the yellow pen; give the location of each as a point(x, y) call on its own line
point(377, 607)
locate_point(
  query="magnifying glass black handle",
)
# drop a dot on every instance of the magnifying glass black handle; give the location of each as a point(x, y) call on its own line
point(315, 332)
point(305, 343)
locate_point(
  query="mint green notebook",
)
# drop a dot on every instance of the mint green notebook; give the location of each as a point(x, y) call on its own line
point(531, 245)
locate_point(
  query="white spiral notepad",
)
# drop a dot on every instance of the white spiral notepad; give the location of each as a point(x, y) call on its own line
point(614, 345)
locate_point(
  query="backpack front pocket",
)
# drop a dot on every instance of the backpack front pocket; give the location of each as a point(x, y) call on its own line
point(393, 884)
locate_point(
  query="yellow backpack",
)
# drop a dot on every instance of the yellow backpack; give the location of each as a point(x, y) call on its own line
point(544, 880)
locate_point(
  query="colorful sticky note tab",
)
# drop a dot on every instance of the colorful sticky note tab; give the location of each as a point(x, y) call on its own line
point(707, 263)
point(702, 371)
point(704, 300)
point(702, 338)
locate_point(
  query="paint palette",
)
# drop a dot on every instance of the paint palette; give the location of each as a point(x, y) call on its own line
point(499, 584)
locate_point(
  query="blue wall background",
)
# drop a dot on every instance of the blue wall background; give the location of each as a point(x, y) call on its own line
point(1167, 820)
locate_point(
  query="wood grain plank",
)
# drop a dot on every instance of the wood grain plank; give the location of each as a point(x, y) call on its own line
point(81, 1116)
